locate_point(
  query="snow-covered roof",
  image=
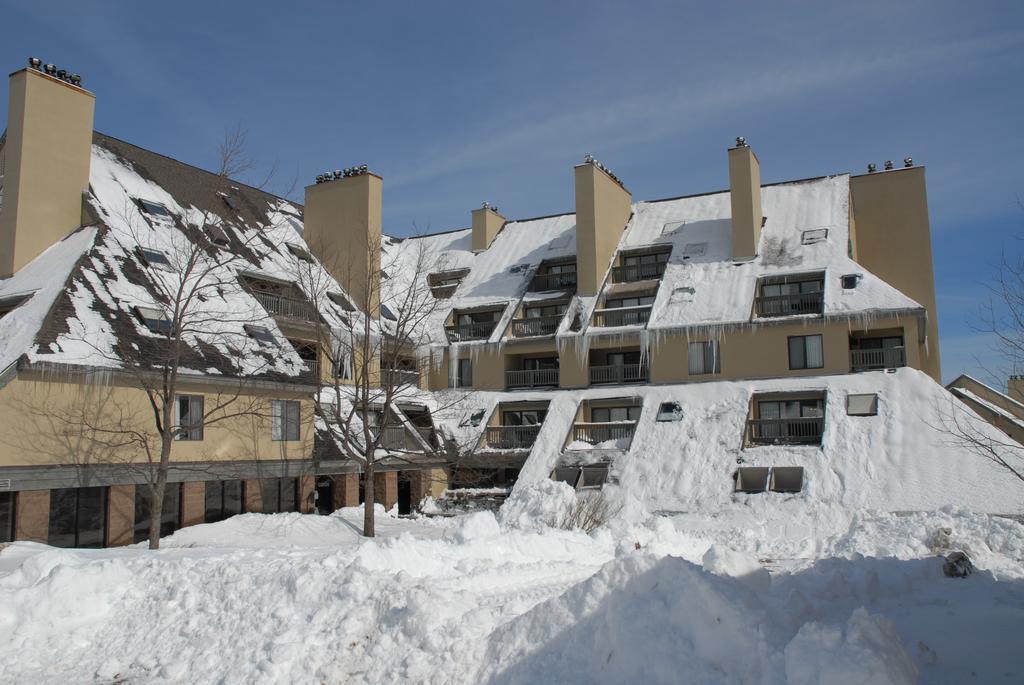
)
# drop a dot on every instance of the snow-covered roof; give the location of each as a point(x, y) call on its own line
point(90, 285)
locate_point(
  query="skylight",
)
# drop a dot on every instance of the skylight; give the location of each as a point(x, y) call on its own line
point(156, 319)
point(300, 252)
point(386, 312)
point(260, 333)
point(670, 411)
point(217, 234)
point(815, 235)
point(672, 227)
point(341, 301)
point(862, 405)
point(694, 250)
point(155, 258)
point(229, 201)
point(153, 208)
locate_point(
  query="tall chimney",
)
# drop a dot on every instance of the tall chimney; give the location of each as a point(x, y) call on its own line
point(745, 195)
point(486, 224)
point(343, 229)
point(603, 206)
point(45, 163)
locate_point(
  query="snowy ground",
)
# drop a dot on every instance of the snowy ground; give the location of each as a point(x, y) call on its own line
point(302, 599)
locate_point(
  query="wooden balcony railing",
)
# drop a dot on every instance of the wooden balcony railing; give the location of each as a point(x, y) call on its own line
point(884, 358)
point(511, 437)
point(619, 373)
point(395, 438)
point(553, 281)
point(470, 331)
point(531, 378)
point(596, 433)
point(637, 272)
point(535, 325)
point(802, 431)
point(790, 305)
point(286, 306)
point(622, 316)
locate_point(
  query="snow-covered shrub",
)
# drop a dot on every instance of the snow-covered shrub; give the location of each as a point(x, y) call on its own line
point(588, 512)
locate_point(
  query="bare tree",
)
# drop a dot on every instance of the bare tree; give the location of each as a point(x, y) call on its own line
point(375, 363)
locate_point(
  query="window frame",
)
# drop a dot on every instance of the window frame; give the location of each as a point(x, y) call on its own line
point(706, 347)
point(629, 414)
point(161, 326)
point(285, 420)
point(190, 432)
point(805, 352)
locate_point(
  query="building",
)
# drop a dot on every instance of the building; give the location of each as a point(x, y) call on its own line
point(761, 326)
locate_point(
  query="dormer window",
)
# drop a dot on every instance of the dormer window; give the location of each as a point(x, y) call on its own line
point(156, 320)
point(300, 252)
point(341, 301)
point(260, 333)
point(790, 295)
point(9, 304)
point(444, 283)
point(554, 275)
point(473, 325)
point(155, 258)
point(641, 265)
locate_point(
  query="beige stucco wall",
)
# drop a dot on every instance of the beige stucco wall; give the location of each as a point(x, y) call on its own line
point(41, 423)
point(745, 199)
point(602, 210)
point(893, 241)
point(342, 221)
point(49, 141)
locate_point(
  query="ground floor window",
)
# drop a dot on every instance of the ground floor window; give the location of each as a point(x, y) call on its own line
point(6, 516)
point(223, 499)
point(280, 494)
point(170, 516)
point(78, 517)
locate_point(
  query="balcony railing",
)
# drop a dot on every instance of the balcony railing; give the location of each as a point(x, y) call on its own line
point(511, 437)
point(637, 272)
point(470, 331)
point(396, 377)
point(790, 305)
point(531, 378)
point(596, 433)
point(553, 281)
point(619, 373)
point(802, 431)
point(312, 369)
point(622, 316)
point(884, 358)
point(535, 325)
point(395, 438)
point(286, 306)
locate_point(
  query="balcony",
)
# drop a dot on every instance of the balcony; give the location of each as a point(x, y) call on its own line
point(531, 378)
point(280, 305)
point(553, 281)
point(398, 439)
point(619, 373)
point(882, 358)
point(470, 331)
point(622, 316)
point(597, 433)
point(444, 291)
point(638, 272)
point(790, 305)
point(511, 437)
point(397, 377)
point(312, 369)
point(535, 325)
point(795, 431)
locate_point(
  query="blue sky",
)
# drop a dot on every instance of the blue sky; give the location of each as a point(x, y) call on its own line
point(456, 103)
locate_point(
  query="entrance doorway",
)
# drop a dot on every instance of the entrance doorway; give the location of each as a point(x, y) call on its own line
point(324, 495)
point(404, 493)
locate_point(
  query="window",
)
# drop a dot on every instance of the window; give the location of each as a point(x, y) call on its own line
point(752, 479)
point(463, 373)
point(592, 477)
point(156, 319)
point(792, 295)
point(787, 479)
point(189, 417)
point(634, 301)
point(849, 281)
point(6, 516)
point(566, 474)
point(540, 363)
point(341, 301)
point(546, 310)
point(443, 283)
point(779, 289)
point(805, 352)
point(170, 515)
point(704, 358)
point(9, 304)
point(622, 358)
point(474, 418)
point(284, 420)
point(223, 499)
point(862, 405)
point(300, 252)
point(523, 417)
point(260, 333)
point(791, 409)
point(229, 201)
point(815, 235)
point(649, 258)
point(614, 414)
point(153, 208)
point(341, 367)
point(279, 495)
point(78, 517)
point(670, 411)
point(386, 312)
point(217, 235)
point(155, 258)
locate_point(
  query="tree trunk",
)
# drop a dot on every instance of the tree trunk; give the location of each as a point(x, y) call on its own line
point(156, 502)
point(368, 500)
